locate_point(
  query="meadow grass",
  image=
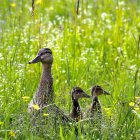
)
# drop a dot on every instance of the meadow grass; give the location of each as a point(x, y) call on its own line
point(100, 45)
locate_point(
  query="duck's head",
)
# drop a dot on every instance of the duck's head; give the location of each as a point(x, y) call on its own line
point(77, 93)
point(98, 90)
point(44, 55)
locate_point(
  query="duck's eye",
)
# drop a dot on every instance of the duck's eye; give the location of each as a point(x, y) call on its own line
point(48, 52)
point(43, 53)
point(79, 91)
point(99, 90)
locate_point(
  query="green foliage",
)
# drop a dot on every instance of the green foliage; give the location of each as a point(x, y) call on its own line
point(101, 46)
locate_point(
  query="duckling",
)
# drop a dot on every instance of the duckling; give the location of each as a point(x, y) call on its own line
point(44, 93)
point(96, 106)
point(77, 93)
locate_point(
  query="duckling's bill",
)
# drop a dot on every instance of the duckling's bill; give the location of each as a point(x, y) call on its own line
point(106, 93)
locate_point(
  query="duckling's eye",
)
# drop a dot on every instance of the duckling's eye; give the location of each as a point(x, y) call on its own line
point(79, 91)
point(98, 89)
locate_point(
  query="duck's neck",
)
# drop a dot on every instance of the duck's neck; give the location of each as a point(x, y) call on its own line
point(46, 74)
point(44, 94)
point(96, 107)
point(76, 107)
point(95, 103)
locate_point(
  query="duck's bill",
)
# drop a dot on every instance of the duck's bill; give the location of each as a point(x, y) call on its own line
point(106, 93)
point(36, 60)
point(85, 95)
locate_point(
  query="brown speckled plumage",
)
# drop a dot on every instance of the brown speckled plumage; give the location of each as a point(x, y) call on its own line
point(44, 95)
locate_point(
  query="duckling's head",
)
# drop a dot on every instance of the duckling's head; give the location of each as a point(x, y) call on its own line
point(98, 90)
point(77, 93)
point(44, 55)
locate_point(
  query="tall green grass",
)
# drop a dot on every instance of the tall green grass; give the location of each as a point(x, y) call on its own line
point(101, 46)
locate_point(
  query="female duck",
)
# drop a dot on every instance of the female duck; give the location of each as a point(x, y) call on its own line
point(44, 93)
